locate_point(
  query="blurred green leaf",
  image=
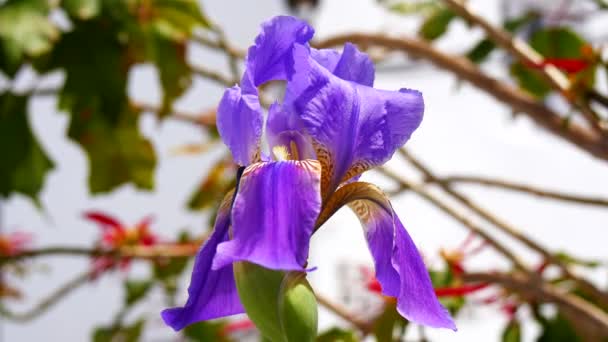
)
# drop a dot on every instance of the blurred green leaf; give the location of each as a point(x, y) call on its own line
point(136, 290)
point(529, 80)
point(25, 31)
point(512, 332)
point(168, 271)
point(219, 180)
point(569, 259)
point(130, 333)
point(158, 31)
point(558, 329)
point(387, 322)
point(554, 42)
point(24, 162)
point(102, 121)
point(207, 331)
point(436, 24)
point(338, 335)
point(417, 7)
point(82, 9)
point(482, 50)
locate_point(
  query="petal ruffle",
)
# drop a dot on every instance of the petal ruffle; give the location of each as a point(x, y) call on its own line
point(270, 58)
point(212, 292)
point(354, 127)
point(239, 122)
point(350, 65)
point(399, 267)
point(274, 215)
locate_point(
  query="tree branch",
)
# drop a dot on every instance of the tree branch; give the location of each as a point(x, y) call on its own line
point(508, 229)
point(578, 135)
point(499, 183)
point(585, 311)
point(133, 252)
point(49, 301)
point(525, 53)
point(419, 190)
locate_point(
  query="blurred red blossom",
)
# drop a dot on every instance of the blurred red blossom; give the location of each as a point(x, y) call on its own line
point(115, 235)
point(14, 243)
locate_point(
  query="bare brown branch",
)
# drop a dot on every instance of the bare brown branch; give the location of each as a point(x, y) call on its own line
point(578, 135)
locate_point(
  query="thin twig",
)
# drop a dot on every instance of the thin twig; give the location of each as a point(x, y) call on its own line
point(579, 308)
point(508, 229)
point(419, 190)
point(134, 252)
point(49, 301)
point(363, 326)
point(578, 135)
point(224, 45)
point(212, 75)
point(525, 53)
point(533, 190)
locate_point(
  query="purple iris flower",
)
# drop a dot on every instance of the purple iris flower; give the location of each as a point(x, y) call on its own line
point(331, 126)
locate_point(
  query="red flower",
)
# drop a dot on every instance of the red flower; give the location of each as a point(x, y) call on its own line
point(114, 235)
point(14, 243)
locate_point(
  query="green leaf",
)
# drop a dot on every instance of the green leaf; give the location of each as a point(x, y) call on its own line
point(482, 50)
point(337, 335)
point(558, 329)
point(136, 290)
point(436, 24)
point(206, 331)
point(24, 163)
point(409, 8)
point(82, 9)
point(168, 271)
point(512, 332)
point(211, 191)
point(102, 121)
point(555, 42)
point(130, 333)
point(25, 31)
point(529, 80)
point(387, 322)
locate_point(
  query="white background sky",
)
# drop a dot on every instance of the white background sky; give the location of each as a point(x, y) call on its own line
point(464, 131)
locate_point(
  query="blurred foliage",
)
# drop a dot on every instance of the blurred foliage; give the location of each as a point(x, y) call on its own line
point(558, 44)
point(116, 35)
point(24, 163)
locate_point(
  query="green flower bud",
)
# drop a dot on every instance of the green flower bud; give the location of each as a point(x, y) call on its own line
point(282, 305)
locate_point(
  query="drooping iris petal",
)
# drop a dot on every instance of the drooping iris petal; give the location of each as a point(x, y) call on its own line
point(273, 216)
point(239, 122)
point(354, 127)
point(270, 58)
point(212, 292)
point(350, 65)
point(399, 267)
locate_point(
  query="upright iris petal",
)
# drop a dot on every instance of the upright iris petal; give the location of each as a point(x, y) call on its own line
point(350, 65)
point(270, 57)
point(212, 292)
point(239, 122)
point(354, 127)
point(274, 215)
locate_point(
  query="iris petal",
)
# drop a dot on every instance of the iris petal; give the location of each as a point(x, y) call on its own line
point(354, 127)
point(274, 215)
point(350, 65)
point(212, 292)
point(399, 267)
point(239, 122)
point(270, 58)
